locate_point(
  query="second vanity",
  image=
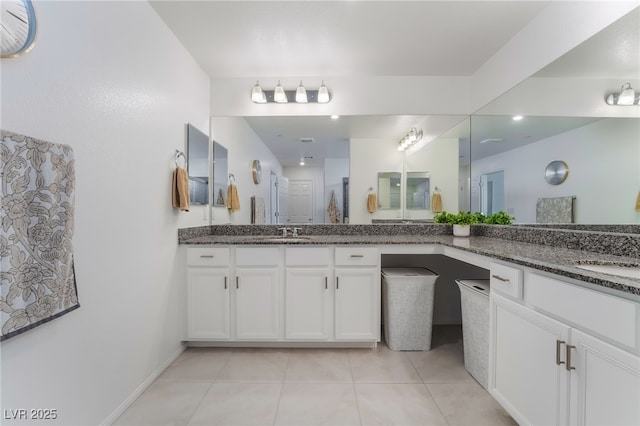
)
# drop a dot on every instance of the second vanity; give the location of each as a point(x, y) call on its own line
point(564, 340)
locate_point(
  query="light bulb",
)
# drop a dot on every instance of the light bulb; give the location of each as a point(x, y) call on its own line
point(279, 95)
point(627, 96)
point(323, 94)
point(301, 94)
point(257, 95)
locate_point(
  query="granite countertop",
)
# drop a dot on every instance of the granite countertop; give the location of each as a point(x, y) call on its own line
point(550, 258)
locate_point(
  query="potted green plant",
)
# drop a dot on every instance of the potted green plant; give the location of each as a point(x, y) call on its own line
point(461, 221)
point(499, 218)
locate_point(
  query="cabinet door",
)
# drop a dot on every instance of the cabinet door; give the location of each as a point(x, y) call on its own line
point(357, 304)
point(525, 375)
point(605, 385)
point(207, 303)
point(257, 304)
point(308, 306)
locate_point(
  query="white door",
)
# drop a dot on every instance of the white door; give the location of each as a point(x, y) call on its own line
point(279, 199)
point(308, 307)
point(492, 192)
point(605, 385)
point(207, 303)
point(300, 201)
point(257, 304)
point(356, 304)
point(525, 376)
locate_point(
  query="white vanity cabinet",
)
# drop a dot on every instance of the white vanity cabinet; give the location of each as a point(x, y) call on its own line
point(561, 353)
point(257, 287)
point(308, 293)
point(357, 293)
point(283, 293)
point(208, 293)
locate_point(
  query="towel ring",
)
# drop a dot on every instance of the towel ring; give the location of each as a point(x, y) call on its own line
point(232, 178)
point(184, 159)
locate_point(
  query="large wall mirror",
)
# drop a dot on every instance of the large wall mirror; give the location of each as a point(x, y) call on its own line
point(198, 165)
point(418, 192)
point(389, 190)
point(509, 160)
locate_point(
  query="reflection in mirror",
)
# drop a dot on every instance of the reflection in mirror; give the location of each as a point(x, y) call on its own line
point(198, 165)
point(220, 174)
point(418, 193)
point(602, 155)
point(389, 188)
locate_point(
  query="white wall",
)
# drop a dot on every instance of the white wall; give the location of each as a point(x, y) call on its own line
point(367, 158)
point(440, 159)
point(243, 146)
point(316, 176)
point(109, 79)
point(605, 192)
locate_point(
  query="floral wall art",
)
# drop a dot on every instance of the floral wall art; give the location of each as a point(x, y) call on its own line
point(37, 278)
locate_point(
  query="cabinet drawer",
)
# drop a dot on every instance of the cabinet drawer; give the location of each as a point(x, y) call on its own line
point(307, 256)
point(357, 256)
point(257, 256)
point(506, 280)
point(609, 316)
point(207, 256)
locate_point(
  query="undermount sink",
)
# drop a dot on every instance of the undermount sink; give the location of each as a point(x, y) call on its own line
point(274, 239)
point(629, 271)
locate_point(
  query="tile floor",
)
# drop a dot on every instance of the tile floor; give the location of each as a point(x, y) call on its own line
point(222, 386)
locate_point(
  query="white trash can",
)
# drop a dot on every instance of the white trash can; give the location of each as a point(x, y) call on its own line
point(474, 302)
point(407, 308)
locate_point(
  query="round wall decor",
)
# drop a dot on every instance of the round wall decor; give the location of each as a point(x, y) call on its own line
point(256, 170)
point(556, 172)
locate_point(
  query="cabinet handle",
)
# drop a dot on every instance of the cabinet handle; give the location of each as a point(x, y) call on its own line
point(569, 366)
point(558, 344)
point(337, 283)
point(206, 256)
point(326, 283)
point(498, 277)
point(357, 255)
point(225, 283)
point(237, 284)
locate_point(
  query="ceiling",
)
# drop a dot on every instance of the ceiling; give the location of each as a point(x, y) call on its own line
point(344, 38)
point(280, 39)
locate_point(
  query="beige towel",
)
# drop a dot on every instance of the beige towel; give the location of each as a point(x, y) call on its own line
point(180, 189)
point(233, 203)
point(638, 202)
point(372, 203)
point(436, 202)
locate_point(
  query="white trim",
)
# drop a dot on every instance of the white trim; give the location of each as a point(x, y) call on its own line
point(141, 388)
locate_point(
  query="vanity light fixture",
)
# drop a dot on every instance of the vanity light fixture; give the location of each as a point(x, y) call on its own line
point(626, 97)
point(414, 136)
point(281, 95)
point(517, 117)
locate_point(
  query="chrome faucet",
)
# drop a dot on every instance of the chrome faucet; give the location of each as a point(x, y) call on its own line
point(295, 232)
point(285, 231)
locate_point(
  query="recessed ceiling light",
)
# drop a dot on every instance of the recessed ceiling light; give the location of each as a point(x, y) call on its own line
point(517, 117)
point(335, 117)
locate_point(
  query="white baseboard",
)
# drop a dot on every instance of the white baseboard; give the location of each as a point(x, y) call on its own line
point(141, 388)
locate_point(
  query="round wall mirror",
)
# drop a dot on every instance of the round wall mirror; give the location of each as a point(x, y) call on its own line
point(556, 172)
